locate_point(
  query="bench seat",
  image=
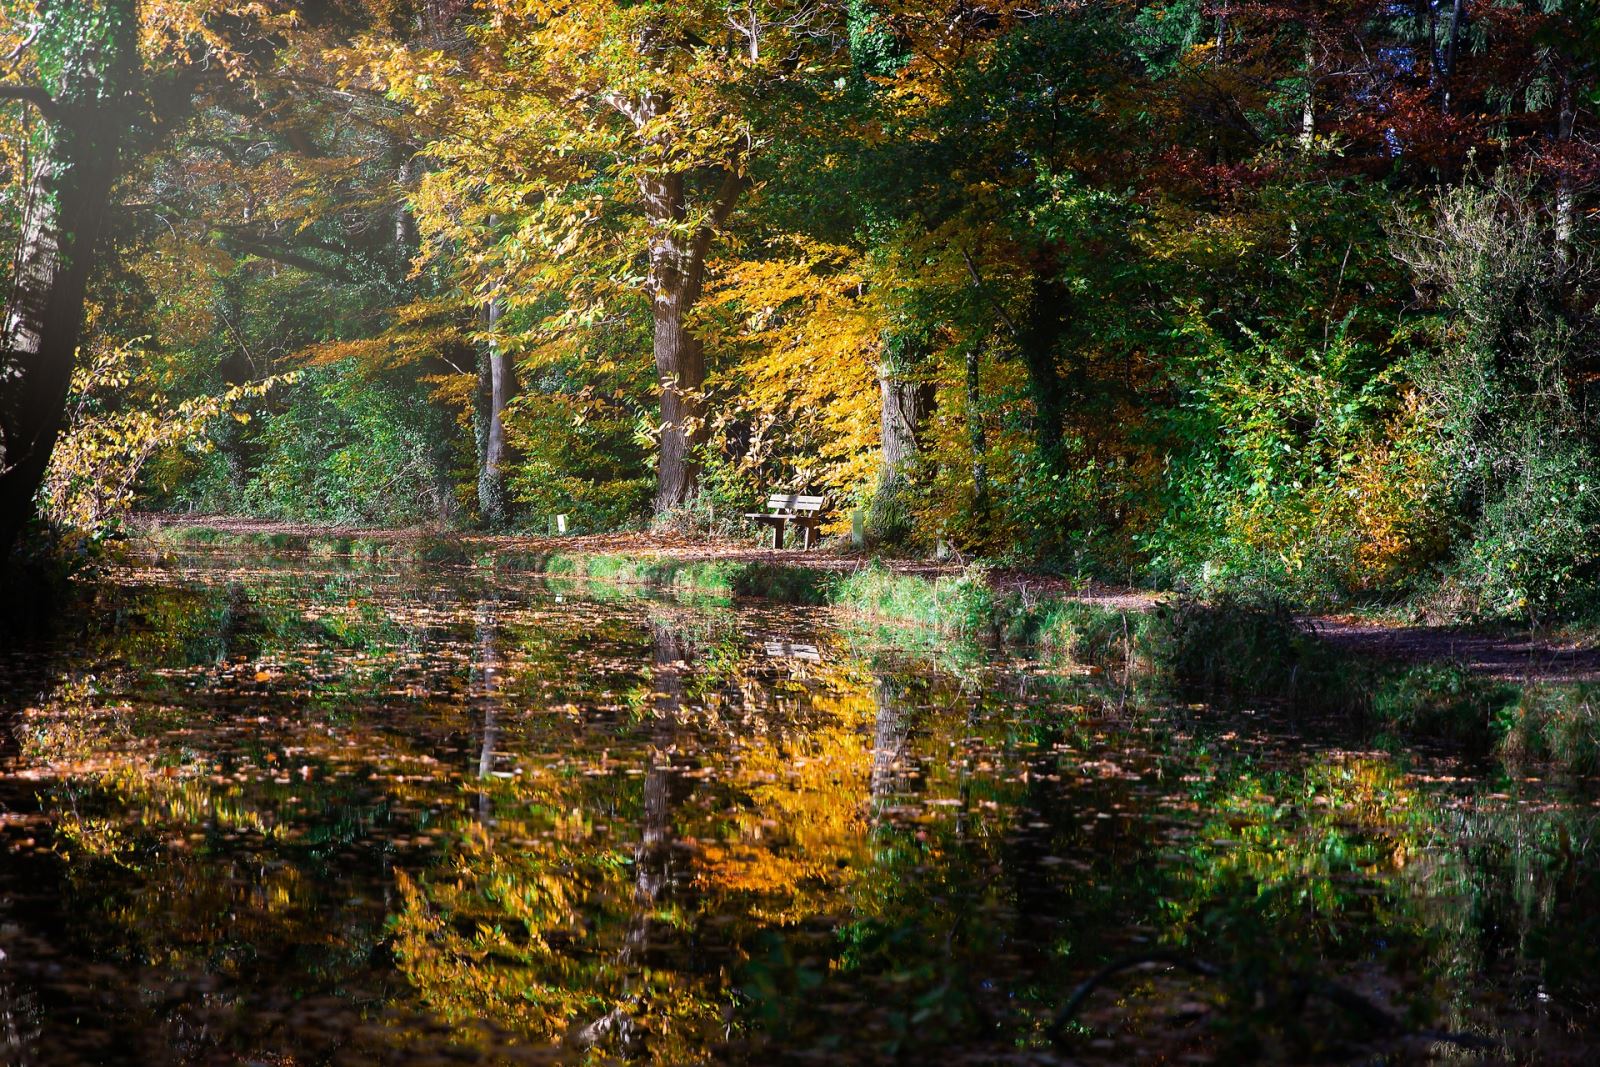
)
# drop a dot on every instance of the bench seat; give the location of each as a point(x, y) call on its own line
point(791, 509)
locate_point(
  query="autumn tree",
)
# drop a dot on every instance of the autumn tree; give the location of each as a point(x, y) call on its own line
point(85, 64)
point(101, 76)
point(592, 153)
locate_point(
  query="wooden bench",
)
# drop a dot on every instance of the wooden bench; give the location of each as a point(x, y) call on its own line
point(784, 509)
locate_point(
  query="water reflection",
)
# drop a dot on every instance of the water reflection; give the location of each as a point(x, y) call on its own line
point(284, 811)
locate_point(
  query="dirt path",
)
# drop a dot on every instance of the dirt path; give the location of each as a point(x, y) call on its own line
point(1513, 657)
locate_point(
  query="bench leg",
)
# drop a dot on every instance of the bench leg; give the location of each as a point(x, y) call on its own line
point(811, 538)
point(777, 536)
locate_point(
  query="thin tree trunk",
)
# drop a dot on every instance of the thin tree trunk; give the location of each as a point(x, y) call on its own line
point(976, 439)
point(1566, 206)
point(1308, 104)
point(1450, 49)
point(497, 386)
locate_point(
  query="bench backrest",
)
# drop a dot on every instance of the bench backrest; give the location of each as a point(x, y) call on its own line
point(795, 503)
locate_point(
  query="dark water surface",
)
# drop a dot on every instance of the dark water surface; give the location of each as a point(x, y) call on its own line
point(293, 811)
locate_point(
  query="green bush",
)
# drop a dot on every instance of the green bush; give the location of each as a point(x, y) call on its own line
point(338, 447)
point(1522, 459)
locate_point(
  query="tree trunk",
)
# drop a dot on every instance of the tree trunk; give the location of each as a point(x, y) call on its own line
point(976, 439)
point(1308, 103)
point(905, 402)
point(905, 407)
point(1452, 44)
point(677, 276)
point(1566, 206)
point(675, 281)
point(1049, 311)
point(69, 190)
point(681, 370)
point(497, 385)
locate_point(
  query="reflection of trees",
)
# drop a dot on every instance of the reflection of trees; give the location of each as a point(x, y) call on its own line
point(818, 835)
point(187, 846)
point(541, 922)
point(654, 874)
point(488, 670)
point(890, 740)
point(1512, 891)
point(557, 923)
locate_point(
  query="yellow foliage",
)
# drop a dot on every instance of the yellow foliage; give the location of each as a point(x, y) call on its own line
point(805, 349)
point(95, 467)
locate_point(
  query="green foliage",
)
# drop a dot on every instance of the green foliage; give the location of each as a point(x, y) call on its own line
point(343, 448)
point(1160, 342)
point(1517, 440)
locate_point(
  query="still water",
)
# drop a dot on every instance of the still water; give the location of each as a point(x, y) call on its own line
point(285, 810)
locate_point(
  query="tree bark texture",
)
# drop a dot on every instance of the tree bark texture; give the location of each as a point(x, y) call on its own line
point(905, 407)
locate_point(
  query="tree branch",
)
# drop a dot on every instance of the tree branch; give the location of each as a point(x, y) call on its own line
point(288, 258)
point(34, 95)
point(983, 291)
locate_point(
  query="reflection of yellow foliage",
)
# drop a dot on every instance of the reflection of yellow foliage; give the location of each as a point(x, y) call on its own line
point(511, 900)
point(802, 834)
point(527, 930)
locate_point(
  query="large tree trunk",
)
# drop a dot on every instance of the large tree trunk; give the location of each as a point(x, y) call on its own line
point(67, 203)
point(69, 190)
point(677, 277)
point(681, 370)
point(904, 407)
